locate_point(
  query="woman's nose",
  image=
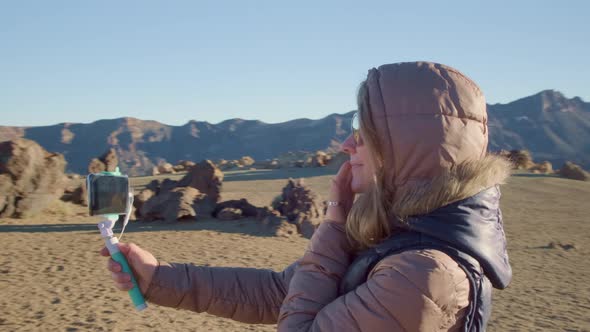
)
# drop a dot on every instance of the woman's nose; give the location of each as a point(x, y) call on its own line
point(349, 145)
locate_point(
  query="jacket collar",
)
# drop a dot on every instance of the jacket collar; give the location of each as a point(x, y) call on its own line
point(473, 225)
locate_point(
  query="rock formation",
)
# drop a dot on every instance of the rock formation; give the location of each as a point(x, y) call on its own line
point(30, 178)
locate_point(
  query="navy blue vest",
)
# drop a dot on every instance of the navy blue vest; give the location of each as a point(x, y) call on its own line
point(480, 297)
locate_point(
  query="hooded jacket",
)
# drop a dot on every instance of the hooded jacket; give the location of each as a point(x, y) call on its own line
point(472, 236)
point(432, 122)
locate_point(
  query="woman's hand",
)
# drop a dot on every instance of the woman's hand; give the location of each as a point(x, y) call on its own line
point(142, 263)
point(341, 192)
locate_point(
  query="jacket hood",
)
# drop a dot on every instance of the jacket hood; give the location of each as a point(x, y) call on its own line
point(427, 116)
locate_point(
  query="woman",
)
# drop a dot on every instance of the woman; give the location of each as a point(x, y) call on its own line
point(426, 229)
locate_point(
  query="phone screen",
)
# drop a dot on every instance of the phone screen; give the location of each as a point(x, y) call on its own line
point(108, 195)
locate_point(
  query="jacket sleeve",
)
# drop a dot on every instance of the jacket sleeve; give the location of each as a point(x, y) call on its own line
point(244, 294)
point(411, 291)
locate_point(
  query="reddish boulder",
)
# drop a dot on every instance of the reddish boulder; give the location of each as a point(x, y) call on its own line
point(110, 160)
point(154, 171)
point(178, 168)
point(107, 162)
point(7, 197)
point(80, 195)
point(300, 205)
point(30, 178)
point(206, 178)
point(177, 204)
point(229, 214)
point(96, 166)
point(247, 209)
point(167, 185)
point(521, 159)
point(75, 190)
point(166, 168)
point(320, 159)
point(140, 199)
point(187, 164)
point(247, 161)
point(543, 168)
point(154, 186)
point(574, 172)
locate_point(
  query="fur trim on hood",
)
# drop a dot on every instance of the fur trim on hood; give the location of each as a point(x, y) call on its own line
point(464, 180)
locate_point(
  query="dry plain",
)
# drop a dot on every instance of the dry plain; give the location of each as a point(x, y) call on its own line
point(52, 278)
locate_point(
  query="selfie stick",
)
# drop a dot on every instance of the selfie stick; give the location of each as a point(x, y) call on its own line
point(106, 231)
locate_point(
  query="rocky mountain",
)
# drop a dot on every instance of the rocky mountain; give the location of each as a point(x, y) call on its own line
point(551, 126)
point(142, 144)
point(548, 124)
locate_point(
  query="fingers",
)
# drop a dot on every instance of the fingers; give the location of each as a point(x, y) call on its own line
point(126, 247)
point(124, 287)
point(344, 169)
point(130, 250)
point(120, 277)
point(113, 266)
point(104, 252)
point(122, 280)
point(344, 175)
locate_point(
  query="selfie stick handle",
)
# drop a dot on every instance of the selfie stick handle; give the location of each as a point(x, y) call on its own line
point(111, 244)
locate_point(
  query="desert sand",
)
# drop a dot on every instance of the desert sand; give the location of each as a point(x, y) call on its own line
point(53, 279)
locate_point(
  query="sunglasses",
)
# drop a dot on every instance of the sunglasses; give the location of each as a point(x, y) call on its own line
point(355, 129)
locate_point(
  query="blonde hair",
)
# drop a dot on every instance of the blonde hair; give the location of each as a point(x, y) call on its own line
point(368, 221)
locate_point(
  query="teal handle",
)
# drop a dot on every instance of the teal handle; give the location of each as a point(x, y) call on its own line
point(134, 293)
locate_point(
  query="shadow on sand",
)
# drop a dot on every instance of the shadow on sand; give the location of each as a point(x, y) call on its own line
point(533, 175)
point(277, 174)
point(245, 226)
point(252, 175)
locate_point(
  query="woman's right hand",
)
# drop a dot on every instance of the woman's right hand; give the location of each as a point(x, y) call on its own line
point(142, 263)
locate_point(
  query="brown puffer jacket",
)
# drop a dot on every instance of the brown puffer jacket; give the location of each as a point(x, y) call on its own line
point(433, 121)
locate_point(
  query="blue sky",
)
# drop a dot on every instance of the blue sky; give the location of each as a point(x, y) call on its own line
point(173, 61)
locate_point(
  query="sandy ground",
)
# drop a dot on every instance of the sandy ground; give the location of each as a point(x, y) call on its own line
point(52, 278)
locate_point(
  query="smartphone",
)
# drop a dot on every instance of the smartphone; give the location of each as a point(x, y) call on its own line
point(107, 193)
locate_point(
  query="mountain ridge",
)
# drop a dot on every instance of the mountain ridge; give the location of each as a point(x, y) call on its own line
point(551, 126)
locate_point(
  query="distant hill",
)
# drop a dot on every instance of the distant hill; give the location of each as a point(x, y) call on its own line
point(551, 126)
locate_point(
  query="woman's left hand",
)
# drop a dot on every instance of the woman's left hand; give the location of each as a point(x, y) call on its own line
point(341, 192)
